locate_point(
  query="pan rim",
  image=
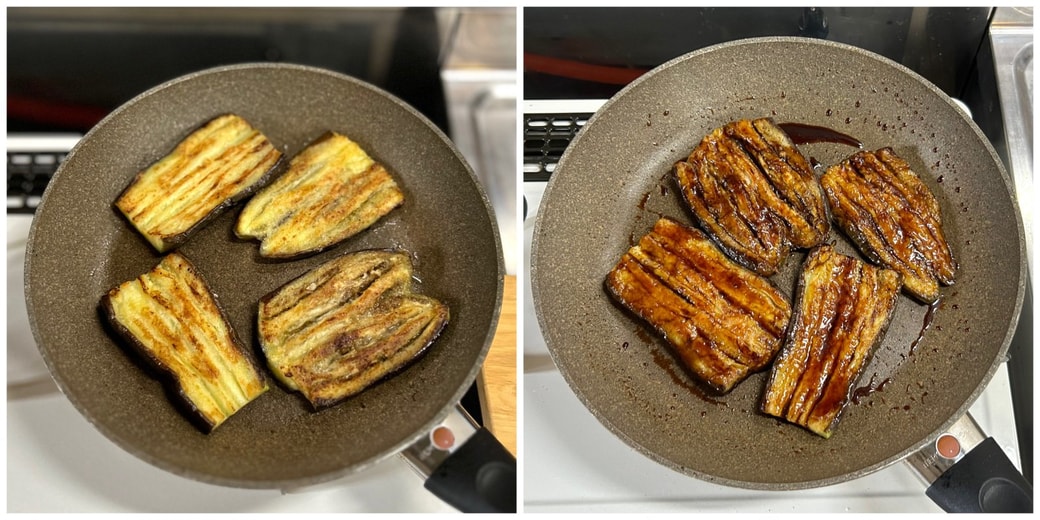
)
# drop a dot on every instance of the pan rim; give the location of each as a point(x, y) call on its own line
point(539, 298)
point(445, 409)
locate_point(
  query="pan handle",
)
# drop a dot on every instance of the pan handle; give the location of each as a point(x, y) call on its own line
point(466, 466)
point(968, 472)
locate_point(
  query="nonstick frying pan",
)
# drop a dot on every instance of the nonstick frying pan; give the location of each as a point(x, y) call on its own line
point(79, 248)
point(615, 180)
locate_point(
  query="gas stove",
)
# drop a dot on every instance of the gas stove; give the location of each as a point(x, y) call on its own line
point(575, 59)
point(595, 471)
point(68, 68)
point(58, 462)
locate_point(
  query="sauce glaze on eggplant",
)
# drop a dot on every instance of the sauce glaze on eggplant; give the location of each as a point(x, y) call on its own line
point(722, 320)
point(754, 193)
point(893, 218)
point(842, 308)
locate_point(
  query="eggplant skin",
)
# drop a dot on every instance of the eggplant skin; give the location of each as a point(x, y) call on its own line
point(723, 320)
point(170, 318)
point(842, 309)
point(893, 218)
point(346, 325)
point(214, 167)
point(754, 194)
point(331, 191)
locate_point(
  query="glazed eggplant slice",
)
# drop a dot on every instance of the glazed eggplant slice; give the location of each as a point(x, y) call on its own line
point(893, 218)
point(754, 193)
point(211, 169)
point(332, 191)
point(347, 324)
point(170, 317)
point(724, 321)
point(842, 309)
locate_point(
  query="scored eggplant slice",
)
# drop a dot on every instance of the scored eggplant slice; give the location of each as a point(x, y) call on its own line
point(211, 169)
point(347, 324)
point(332, 191)
point(842, 309)
point(754, 193)
point(722, 320)
point(893, 218)
point(170, 317)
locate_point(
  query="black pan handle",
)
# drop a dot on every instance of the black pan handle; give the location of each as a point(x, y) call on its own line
point(968, 472)
point(466, 466)
point(984, 481)
point(480, 477)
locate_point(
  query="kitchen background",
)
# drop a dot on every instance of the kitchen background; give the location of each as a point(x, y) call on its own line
point(68, 68)
point(575, 59)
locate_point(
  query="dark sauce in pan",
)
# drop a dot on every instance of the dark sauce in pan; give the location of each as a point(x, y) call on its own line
point(929, 316)
point(642, 202)
point(816, 166)
point(805, 134)
point(666, 362)
point(865, 391)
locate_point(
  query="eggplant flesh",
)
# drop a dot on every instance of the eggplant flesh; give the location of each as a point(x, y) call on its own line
point(170, 317)
point(347, 324)
point(893, 218)
point(215, 166)
point(722, 320)
point(754, 193)
point(331, 191)
point(841, 311)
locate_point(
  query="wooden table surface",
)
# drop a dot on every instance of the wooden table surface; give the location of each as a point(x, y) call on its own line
point(496, 383)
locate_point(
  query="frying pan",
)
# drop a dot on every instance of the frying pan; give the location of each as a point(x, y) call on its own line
point(79, 248)
point(615, 180)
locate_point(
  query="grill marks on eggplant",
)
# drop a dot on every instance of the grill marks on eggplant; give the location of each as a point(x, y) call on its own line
point(893, 218)
point(347, 324)
point(723, 320)
point(169, 316)
point(842, 309)
point(329, 334)
point(332, 191)
point(209, 170)
point(754, 193)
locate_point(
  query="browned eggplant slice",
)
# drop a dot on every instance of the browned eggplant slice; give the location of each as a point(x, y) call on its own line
point(754, 193)
point(211, 169)
point(842, 309)
point(170, 317)
point(347, 324)
point(332, 191)
point(723, 320)
point(894, 219)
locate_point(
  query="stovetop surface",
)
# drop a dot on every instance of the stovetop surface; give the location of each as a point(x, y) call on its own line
point(574, 464)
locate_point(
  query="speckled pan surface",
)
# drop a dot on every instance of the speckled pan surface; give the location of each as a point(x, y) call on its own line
point(79, 247)
point(615, 180)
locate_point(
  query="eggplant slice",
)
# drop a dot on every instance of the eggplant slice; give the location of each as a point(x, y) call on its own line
point(169, 316)
point(893, 218)
point(347, 324)
point(208, 171)
point(332, 191)
point(842, 309)
point(754, 193)
point(722, 320)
